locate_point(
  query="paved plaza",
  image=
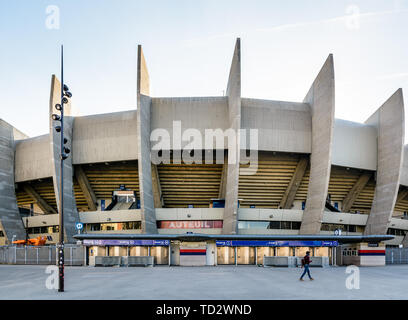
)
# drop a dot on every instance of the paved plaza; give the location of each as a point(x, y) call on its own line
point(222, 282)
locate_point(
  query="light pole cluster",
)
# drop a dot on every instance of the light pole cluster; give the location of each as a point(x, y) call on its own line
point(64, 151)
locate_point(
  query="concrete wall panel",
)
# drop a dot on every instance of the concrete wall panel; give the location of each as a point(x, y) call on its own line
point(33, 159)
point(10, 219)
point(354, 145)
point(282, 126)
point(105, 137)
point(87, 217)
point(189, 214)
point(321, 99)
point(200, 113)
point(389, 120)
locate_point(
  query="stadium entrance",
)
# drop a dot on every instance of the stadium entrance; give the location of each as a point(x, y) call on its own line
point(212, 250)
point(253, 252)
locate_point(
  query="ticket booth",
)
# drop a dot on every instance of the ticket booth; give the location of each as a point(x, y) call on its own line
point(245, 255)
point(322, 252)
point(229, 252)
point(159, 249)
point(160, 254)
point(284, 251)
point(118, 251)
point(301, 251)
point(225, 255)
point(262, 252)
point(251, 252)
point(139, 251)
point(97, 251)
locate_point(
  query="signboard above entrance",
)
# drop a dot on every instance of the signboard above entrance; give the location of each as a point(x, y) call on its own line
point(273, 243)
point(126, 242)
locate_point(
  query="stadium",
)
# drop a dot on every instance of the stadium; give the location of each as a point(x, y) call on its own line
point(289, 177)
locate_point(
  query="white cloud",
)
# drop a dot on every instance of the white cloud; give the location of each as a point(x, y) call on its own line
point(343, 19)
point(280, 28)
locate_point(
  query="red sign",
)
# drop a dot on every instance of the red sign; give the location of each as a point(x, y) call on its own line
point(192, 224)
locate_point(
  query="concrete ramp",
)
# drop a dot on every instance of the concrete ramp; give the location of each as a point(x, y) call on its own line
point(122, 206)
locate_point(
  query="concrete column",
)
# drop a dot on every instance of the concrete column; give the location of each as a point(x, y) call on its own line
point(223, 184)
point(144, 103)
point(41, 203)
point(86, 188)
point(70, 210)
point(291, 190)
point(389, 120)
point(355, 191)
point(10, 218)
point(234, 111)
point(321, 100)
point(157, 193)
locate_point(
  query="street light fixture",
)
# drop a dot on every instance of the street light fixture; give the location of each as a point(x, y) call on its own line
point(64, 151)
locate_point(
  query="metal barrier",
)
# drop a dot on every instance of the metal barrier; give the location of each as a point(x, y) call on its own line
point(396, 256)
point(126, 261)
point(41, 255)
point(277, 261)
point(316, 262)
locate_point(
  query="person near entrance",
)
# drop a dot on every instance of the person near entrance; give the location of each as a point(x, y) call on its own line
point(306, 264)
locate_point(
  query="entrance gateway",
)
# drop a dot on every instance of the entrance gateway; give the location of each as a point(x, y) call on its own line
point(203, 249)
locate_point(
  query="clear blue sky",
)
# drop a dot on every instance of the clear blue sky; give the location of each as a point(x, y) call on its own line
point(188, 47)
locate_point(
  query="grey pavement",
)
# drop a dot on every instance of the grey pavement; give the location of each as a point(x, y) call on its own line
point(222, 282)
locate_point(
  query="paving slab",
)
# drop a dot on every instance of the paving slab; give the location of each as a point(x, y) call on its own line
point(219, 283)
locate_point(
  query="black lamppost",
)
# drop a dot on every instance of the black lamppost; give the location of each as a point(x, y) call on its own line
point(65, 95)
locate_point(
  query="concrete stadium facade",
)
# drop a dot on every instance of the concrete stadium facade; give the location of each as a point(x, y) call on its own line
point(315, 173)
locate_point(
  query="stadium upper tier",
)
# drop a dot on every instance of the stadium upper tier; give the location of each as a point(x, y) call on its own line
point(282, 127)
point(304, 158)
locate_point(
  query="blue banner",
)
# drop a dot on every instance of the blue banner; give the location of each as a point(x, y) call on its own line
point(220, 243)
point(126, 242)
point(275, 243)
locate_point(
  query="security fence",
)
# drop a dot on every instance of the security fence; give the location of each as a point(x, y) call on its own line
point(41, 255)
point(396, 255)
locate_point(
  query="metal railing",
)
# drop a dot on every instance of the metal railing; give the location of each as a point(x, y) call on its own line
point(396, 256)
point(41, 255)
